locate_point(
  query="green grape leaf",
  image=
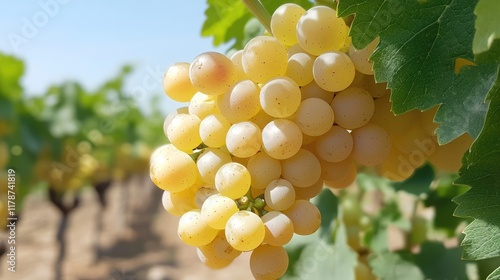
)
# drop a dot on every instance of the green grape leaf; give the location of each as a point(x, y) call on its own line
point(397, 265)
point(11, 70)
point(495, 275)
point(419, 182)
point(486, 44)
point(438, 262)
point(419, 43)
point(481, 166)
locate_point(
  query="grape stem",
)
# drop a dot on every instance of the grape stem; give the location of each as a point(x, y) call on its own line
point(260, 12)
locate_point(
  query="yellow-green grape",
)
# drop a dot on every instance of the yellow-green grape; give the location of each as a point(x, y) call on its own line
point(320, 30)
point(338, 175)
point(236, 59)
point(177, 84)
point(213, 130)
point(183, 132)
point(241, 102)
point(218, 253)
point(194, 230)
point(279, 228)
point(372, 144)
point(335, 145)
point(396, 166)
point(263, 169)
point(279, 194)
point(309, 192)
point(203, 105)
point(264, 58)
point(449, 157)
point(281, 139)
point(302, 169)
point(333, 71)
point(299, 68)
point(233, 180)
point(245, 231)
point(313, 90)
point(353, 108)
point(212, 73)
point(178, 203)
point(280, 97)
point(244, 139)
point(284, 21)
point(305, 217)
point(162, 151)
point(412, 140)
point(173, 170)
point(314, 117)
point(209, 162)
point(268, 262)
point(217, 209)
point(384, 117)
point(361, 58)
point(170, 117)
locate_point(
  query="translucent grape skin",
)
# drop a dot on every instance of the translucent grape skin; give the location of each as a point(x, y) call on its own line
point(245, 231)
point(279, 228)
point(372, 144)
point(279, 194)
point(173, 170)
point(217, 209)
point(268, 262)
point(264, 58)
point(284, 21)
point(280, 97)
point(241, 102)
point(281, 138)
point(302, 169)
point(178, 203)
point(263, 169)
point(314, 117)
point(203, 105)
point(194, 230)
point(353, 108)
point(183, 132)
point(212, 73)
point(309, 192)
point(320, 30)
point(218, 253)
point(335, 145)
point(299, 68)
point(244, 139)
point(177, 84)
point(305, 217)
point(333, 71)
point(213, 130)
point(233, 180)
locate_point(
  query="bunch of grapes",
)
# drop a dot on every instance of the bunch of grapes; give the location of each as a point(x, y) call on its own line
point(267, 128)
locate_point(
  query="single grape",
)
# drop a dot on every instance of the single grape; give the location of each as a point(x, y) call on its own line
point(284, 21)
point(299, 68)
point(194, 230)
point(203, 105)
point(279, 228)
point(314, 116)
point(281, 139)
point(177, 84)
point(213, 130)
point(302, 169)
point(212, 73)
point(173, 170)
point(279, 194)
point(305, 217)
point(268, 262)
point(333, 71)
point(353, 108)
point(280, 97)
point(241, 102)
point(335, 145)
point(209, 162)
point(371, 144)
point(244, 139)
point(263, 169)
point(233, 180)
point(245, 231)
point(183, 132)
point(264, 58)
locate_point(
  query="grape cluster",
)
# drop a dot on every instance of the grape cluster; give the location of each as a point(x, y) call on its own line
point(268, 127)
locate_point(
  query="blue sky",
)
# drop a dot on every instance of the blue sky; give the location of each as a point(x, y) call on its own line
point(88, 41)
